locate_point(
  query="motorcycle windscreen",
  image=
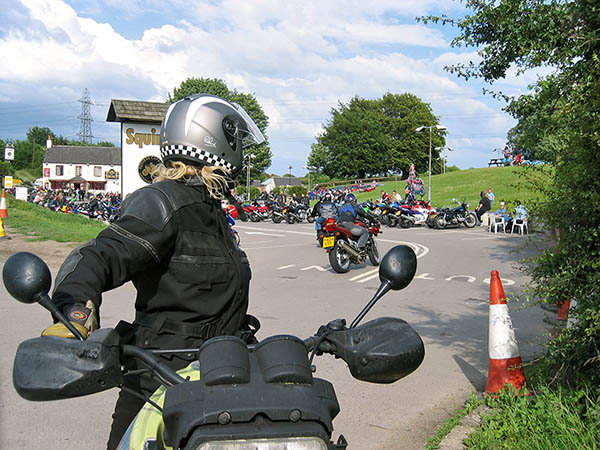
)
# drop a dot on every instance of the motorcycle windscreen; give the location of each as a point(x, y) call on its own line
point(383, 350)
point(54, 368)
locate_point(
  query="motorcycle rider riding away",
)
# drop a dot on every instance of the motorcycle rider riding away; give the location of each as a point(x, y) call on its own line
point(174, 243)
point(348, 213)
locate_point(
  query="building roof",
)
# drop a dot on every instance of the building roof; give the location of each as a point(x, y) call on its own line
point(283, 181)
point(67, 154)
point(135, 111)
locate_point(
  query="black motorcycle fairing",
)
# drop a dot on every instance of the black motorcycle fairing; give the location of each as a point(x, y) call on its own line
point(54, 368)
point(383, 350)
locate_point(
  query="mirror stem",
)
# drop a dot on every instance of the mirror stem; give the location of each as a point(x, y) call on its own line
point(383, 288)
point(47, 303)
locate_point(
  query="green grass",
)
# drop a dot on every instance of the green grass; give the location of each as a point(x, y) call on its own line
point(434, 442)
point(562, 420)
point(43, 224)
point(506, 182)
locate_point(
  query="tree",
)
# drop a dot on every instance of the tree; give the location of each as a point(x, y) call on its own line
point(558, 122)
point(375, 137)
point(261, 154)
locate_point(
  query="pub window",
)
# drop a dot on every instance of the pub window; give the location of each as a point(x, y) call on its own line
point(59, 170)
point(97, 171)
point(77, 171)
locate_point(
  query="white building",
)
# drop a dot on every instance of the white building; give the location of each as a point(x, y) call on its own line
point(140, 133)
point(96, 169)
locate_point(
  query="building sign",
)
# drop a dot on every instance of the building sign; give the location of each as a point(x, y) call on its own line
point(8, 182)
point(140, 154)
point(111, 174)
point(46, 172)
point(9, 153)
point(146, 168)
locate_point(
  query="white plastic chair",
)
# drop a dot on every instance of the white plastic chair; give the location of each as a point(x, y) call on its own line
point(521, 225)
point(496, 223)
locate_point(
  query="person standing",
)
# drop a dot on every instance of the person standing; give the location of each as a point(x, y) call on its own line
point(491, 196)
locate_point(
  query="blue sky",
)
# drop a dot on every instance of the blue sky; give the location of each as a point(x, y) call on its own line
point(299, 58)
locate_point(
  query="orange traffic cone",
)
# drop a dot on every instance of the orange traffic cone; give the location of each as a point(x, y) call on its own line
point(3, 210)
point(505, 361)
point(3, 234)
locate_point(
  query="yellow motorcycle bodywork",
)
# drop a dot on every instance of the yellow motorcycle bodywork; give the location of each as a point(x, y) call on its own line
point(148, 425)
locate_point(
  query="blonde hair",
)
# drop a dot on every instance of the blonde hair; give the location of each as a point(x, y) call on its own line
point(215, 178)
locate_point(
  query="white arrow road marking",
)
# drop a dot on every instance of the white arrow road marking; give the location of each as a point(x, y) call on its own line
point(319, 268)
point(504, 281)
point(365, 274)
point(469, 278)
point(424, 276)
point(286, 267)
point(264, 234)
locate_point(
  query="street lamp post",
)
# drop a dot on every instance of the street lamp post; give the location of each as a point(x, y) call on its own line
point(290, 167)
point(430, 128)
point(309, 168)
point(444, 157)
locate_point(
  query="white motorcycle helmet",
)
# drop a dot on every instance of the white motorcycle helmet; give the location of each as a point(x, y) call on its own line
point(207, 130)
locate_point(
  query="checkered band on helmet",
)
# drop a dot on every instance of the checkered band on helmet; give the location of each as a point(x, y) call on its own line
point(191, 152)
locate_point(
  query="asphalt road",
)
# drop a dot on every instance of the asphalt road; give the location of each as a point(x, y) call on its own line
point(294, 291)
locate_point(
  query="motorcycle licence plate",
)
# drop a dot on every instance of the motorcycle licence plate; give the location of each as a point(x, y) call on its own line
point(328, 241)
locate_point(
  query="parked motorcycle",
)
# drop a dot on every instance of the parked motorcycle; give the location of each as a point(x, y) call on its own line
point(342, 246)
point(454, 216)
point(278, 213)
point(261, 396)
point(297, 213)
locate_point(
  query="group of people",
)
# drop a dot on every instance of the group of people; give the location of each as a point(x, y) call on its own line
point(487, 215)
point(71, 200)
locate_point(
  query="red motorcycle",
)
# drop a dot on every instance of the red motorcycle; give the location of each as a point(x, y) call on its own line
point(342, 246)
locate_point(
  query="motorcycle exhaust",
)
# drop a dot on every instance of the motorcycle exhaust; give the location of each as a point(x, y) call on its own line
point(345, 246)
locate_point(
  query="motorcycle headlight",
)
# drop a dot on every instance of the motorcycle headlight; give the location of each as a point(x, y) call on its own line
point(300, 443)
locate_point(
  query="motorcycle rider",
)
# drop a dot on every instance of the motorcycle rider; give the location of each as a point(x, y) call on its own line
point(324, 209)
point(348, 213)
point(174, 243)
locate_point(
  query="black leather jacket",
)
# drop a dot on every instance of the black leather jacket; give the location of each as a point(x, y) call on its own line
point(174, 243)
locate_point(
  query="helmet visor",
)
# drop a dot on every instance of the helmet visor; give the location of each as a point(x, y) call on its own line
point(252, 134)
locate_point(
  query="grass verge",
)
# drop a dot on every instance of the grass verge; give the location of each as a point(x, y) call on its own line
point(435, 440)
point(563, 419)
point(43, 224)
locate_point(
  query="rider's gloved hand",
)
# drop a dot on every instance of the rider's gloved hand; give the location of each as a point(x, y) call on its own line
point(84, 318)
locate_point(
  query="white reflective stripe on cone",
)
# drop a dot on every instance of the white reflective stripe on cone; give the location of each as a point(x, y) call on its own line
point(502, 340)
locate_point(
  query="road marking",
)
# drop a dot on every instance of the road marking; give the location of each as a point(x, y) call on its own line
point(420, 249)
point(280, 230)
point(424, 276)
point(469, 278)
point(286, 267)
point(279, 246)
point(319, 268)
point(365, 274)
point(264, 234)
point(505, 281)
point(375, 275)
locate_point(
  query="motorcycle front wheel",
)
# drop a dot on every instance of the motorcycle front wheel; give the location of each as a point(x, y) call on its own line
point(339, 259)
point(373, 253)
point(289, 219)
point(470, 220)
point(439, 222)
point(310, 219)
point(276, 219)
point(254, 218)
